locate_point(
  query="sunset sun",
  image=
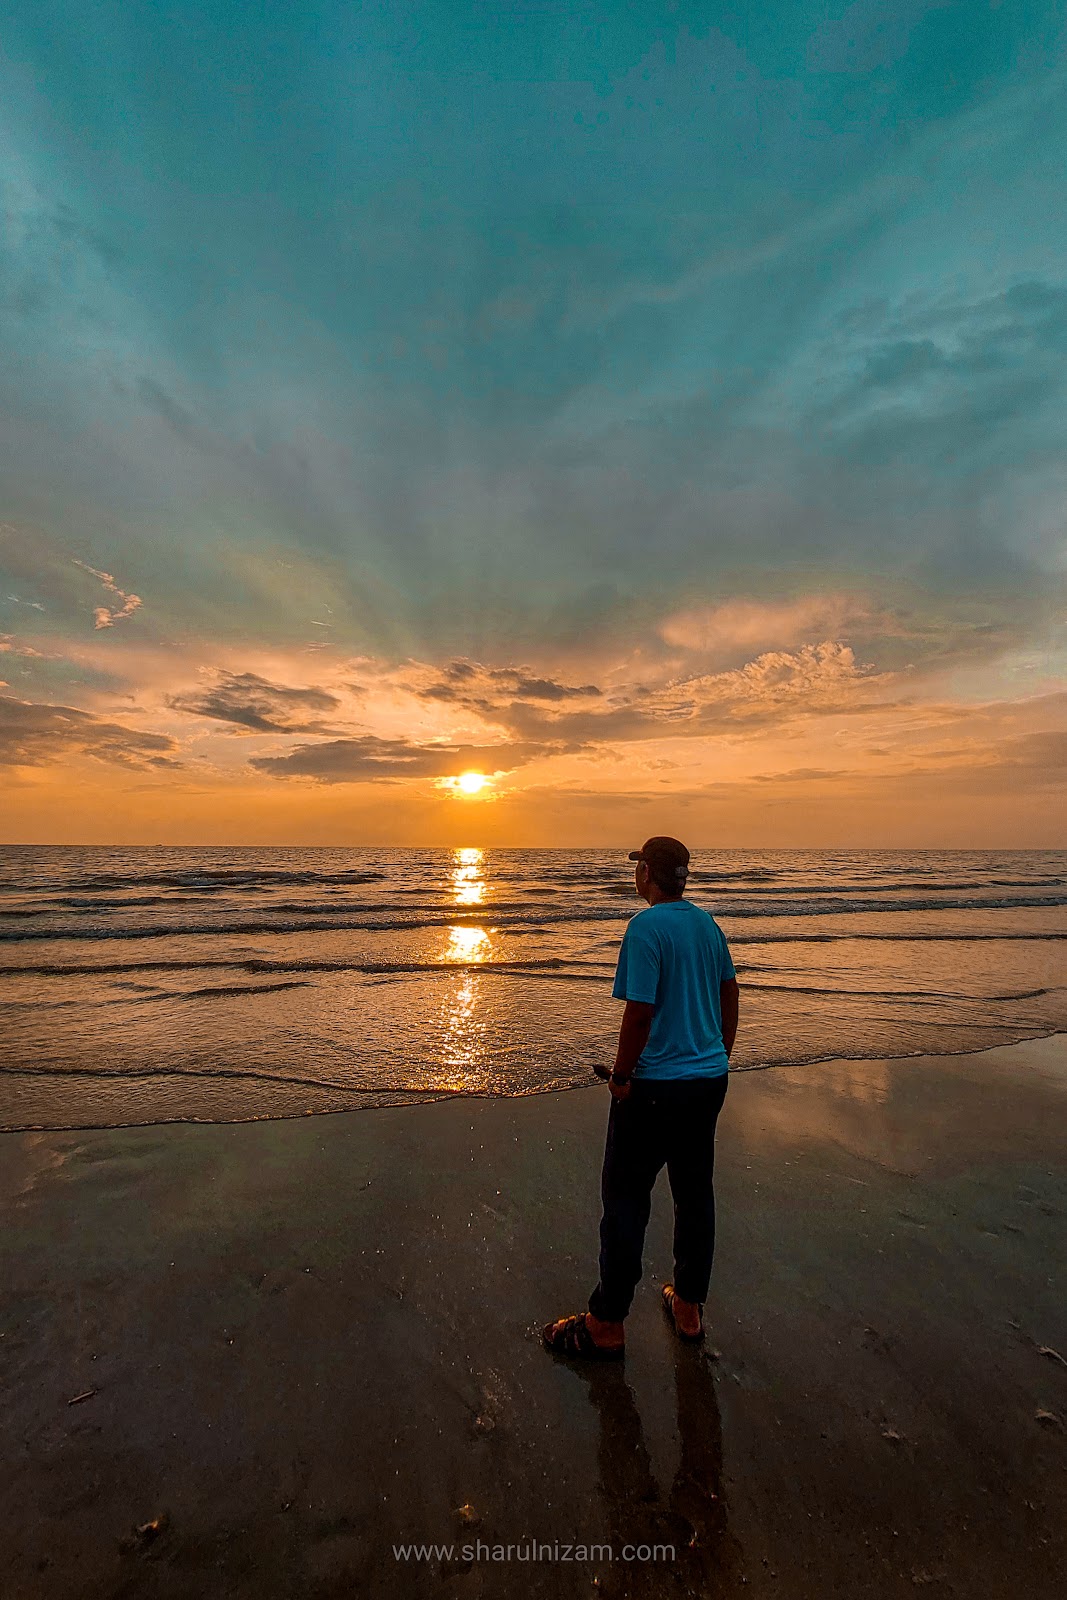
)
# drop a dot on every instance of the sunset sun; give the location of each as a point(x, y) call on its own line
point(468, 785)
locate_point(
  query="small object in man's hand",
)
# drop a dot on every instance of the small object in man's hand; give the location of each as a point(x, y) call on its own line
point(602, 1071)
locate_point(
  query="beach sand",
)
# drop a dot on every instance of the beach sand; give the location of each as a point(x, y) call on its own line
point(303, 1343)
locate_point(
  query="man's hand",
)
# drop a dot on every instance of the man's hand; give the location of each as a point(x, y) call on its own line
point(619, 1091)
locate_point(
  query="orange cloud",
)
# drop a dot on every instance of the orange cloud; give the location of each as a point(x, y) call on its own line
point(107, 616)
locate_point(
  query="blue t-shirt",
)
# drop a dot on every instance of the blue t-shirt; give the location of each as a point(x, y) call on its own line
point(674, 956)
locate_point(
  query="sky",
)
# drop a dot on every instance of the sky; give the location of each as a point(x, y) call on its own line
point(656, 408)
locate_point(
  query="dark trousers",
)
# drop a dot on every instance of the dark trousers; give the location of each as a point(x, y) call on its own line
point(670, 1124)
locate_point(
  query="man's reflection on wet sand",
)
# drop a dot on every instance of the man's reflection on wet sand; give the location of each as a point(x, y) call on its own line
point(693, 1516)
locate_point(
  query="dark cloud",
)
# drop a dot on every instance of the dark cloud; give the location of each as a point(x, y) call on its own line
point(32, 735)
point(800, 775)
point(545, 689)
point(369, 759)
point(450, 692)
point(481, 688)
point(253, 704)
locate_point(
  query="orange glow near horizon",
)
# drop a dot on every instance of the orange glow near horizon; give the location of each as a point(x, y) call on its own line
point(804, 746)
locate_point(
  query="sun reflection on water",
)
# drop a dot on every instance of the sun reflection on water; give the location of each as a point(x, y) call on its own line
point(468, 944)
point(464, 1042)
point(468, 885)
point(465, 1028)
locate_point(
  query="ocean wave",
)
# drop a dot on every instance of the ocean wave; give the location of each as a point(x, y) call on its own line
point(200, 878)
point(97, 903)
point(371, 919)
point(841, 890)
point(155, 996)
point(223, 989)
point(278, 908)
point(923, 937)
point(554, 968)
point(925, 996)
point(770, 899)
point(261, 964)
point(46, 1069)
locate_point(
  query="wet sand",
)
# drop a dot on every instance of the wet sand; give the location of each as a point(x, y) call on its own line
point(302, 1343)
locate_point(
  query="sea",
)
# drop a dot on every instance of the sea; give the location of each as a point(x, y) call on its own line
point(146, 984)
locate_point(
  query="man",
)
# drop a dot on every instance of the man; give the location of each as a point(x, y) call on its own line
point(667, 1087)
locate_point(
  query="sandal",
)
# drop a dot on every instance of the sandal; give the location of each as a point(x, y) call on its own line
point(571, 1337)
point(669, 1298)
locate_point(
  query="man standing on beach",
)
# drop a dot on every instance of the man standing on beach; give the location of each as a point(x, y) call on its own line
point(667, 1087)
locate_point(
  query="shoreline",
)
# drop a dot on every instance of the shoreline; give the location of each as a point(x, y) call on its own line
point(296, 1342)
point(433, 1096)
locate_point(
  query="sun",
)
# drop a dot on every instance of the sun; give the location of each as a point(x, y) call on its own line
point(468, 785)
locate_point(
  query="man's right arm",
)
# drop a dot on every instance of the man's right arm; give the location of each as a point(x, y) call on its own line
point(728, 999)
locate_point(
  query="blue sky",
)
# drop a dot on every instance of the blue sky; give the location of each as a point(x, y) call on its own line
point(406, 333)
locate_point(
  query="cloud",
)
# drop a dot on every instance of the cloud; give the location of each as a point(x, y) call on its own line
point(33, 735)
point(945, 379)
point(773, 687)
point(8, 646)
point(746, 624)
point(776, 687)
point(547, 689)
point(253, 704)
point(480, 687)
point(107, 616)
point(369, 759)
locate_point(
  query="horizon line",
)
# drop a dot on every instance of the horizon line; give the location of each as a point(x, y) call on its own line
point(20, 844)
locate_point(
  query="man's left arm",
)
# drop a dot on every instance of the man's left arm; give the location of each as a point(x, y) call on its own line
point(633, 1036)
point(728, 1006)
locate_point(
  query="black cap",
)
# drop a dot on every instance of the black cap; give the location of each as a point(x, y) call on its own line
point(667, 859)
